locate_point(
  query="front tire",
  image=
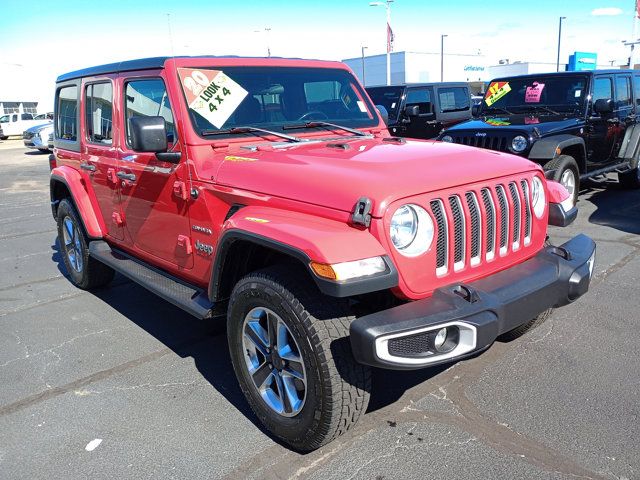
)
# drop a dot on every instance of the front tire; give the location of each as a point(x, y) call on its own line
point(85, 272)
point(290, 350)
point(566, 172)
point(525, 327)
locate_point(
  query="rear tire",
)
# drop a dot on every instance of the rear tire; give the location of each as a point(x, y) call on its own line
point(4, 137)
point(566, 172)
point(630, 179)
point(85, 272)
point(525, 327)
point(329, 392)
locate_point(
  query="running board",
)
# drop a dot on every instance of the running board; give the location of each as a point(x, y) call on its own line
point(611, 168)
point(189, 298)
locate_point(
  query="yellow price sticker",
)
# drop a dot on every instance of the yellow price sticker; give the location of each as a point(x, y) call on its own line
point(496, 91)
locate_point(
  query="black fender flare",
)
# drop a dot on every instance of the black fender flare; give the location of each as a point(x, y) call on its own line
point(331, 288)
point(547, 148)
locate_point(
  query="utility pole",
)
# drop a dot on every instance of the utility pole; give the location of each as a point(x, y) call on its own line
point(442, 37)
point(387, 5)
point(559, 40)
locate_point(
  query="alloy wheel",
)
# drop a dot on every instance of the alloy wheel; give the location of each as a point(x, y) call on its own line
point(72, 244)
point(568, 181)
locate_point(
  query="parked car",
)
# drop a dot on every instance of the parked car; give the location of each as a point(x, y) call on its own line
point(38, 137)
point(577, 125)
point(16, 123)
point(44, 116)
point(269, 192)
point(423, 110)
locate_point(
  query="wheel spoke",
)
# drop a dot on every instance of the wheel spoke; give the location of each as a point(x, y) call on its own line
point(294, 372)
point(272, 322)
point(282, 393)
point(291, 399)
point(257, 336)
point(261, 374)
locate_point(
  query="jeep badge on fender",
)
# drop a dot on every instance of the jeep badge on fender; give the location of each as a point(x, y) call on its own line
point(329, 246)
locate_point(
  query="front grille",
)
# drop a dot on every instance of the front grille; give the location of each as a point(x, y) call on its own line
point(504, 219)
point(28, 135)
point(488, 141)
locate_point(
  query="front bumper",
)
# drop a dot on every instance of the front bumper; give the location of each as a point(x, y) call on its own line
point(402, 337)
point(35, 142)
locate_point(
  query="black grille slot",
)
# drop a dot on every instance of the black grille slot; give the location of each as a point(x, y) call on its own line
point(504, 215)
point(516, 212)
point(458, 225)
point(474, 214)
point(441, 243)
point(483, 141)
point(410, 346)
point(527, 210)
point(490, 219)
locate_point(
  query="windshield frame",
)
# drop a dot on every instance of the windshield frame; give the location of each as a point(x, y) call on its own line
point(372, 123)
point(579, 111)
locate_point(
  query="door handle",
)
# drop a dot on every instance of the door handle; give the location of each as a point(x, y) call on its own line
point(88, 166)
point(126, 176)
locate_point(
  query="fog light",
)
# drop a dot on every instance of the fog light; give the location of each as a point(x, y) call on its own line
point(441, 337)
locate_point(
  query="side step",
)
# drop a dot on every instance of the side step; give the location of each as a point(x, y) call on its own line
point(189, 298)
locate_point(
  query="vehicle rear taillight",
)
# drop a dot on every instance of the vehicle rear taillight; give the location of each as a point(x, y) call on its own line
point(52, 161)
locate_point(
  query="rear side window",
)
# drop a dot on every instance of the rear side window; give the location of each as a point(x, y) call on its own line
point(148, 98)
point(623, 91)
point(454, 99)
point(99, 109)
point(420, 97)
point(602, 89)
point(26, 116)
point(14, 118)
point(67, 121)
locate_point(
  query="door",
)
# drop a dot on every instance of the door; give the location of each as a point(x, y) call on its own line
point(453, 106)
point(424, 124)
point(99, 157)
point(603, 129)
point(154, 193)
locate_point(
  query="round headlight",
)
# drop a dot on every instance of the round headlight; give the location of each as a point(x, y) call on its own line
point(411, 230)
point(538, 200)
point(447, 138)
point(519, 143)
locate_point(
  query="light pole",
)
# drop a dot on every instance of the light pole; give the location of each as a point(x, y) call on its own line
point(266, 34)
point(442, 37)
point(631, 44)
point(364, 82)
point(559, 39)
point(387, 5)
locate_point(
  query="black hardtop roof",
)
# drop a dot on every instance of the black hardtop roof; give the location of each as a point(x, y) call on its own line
point(427, 84)
point(137, 64)
point(559, 74)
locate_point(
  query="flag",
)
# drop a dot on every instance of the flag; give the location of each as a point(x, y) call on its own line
point(637, 8)
point(390, 37)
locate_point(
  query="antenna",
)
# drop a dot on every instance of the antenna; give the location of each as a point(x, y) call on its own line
point(170, 34)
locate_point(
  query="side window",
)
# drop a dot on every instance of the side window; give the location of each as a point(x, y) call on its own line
point(623, 92)
point(420, 97)
point(602, 88)
point(14, 118)
point(636, 89)
point(454, 99)
point(99, 109)
point(26, 116)
point(148, 98)
point(67, 121)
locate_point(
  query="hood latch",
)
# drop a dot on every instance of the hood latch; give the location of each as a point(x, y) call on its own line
point(362, 212)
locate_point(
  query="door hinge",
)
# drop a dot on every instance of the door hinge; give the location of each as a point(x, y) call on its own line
point(180, 190)
point(362, 212)
point(184, 242)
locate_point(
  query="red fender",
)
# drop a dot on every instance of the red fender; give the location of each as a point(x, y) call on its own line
point(321, 239)
point(87, 208)
point(557, 192)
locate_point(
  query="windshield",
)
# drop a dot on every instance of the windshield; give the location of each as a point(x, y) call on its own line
point(273, 98)
point(389, 97)
point(550, 94)
point(4, 118)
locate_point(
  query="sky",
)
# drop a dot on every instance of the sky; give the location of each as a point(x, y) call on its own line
point(42, 39)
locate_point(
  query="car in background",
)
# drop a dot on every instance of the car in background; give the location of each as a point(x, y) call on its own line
point(422, 110)
point(44, 116)
point(16, 123)
point(38, 137)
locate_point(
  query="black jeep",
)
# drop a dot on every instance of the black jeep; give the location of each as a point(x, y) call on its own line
point(577, 125)
point(422, 110)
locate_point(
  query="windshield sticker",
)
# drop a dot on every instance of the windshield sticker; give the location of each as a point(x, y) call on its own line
point(361, 106)
point(533, 93)
point(211, 93)
point(578, 93)
point(496, 91)
point(531, 120)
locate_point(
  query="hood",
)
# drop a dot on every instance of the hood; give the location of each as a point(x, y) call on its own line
point(337, 176)
point(544, 124)
point(40, 127)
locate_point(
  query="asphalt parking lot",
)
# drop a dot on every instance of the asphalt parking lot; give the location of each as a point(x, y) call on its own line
point(120, 384)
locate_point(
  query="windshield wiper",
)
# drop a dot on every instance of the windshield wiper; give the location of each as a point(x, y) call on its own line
point(497, 109)
point(533, 108)
point(318, 124)
point(239, 130)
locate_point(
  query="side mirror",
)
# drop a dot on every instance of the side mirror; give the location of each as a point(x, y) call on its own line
point(475, 110)
point(383, 113)
point(412, 110)
point(148, 134)
point(603, 106)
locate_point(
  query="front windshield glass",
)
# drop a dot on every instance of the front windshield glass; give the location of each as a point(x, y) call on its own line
point(273, 98)
point(388, 97)
point(550, 94)
point(4, 119)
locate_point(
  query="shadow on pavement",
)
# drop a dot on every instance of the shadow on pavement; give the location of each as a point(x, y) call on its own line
point(616, 208)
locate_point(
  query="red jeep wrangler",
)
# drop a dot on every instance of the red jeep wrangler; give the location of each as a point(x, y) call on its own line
point(269, 191)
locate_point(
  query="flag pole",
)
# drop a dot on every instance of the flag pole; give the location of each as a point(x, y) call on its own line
point(636, 11)
point(389, 40)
